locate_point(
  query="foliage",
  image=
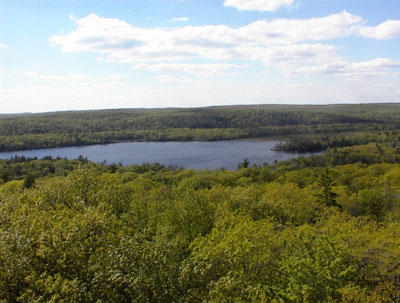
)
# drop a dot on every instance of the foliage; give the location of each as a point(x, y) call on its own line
point(316, 143)
point(76, 231)
point(28, 131)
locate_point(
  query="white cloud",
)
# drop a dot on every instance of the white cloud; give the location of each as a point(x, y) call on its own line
point(121, 41)
point(2, 45)
point(292, 56)
point(292, 45)
point(195, 69)
point(266, 41)
point(283, 31)
point(387, 30)
point(68, 77)
point(371, 68)
point(180, 19)
point(378, 63)
point(259, 5)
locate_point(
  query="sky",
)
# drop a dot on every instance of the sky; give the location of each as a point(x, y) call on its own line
point(86, 54)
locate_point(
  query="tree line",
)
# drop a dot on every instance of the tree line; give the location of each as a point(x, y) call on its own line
point(28, 131)
point(318, 143)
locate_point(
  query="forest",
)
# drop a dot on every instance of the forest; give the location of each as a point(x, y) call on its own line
point(75, 128)
point(318, 229)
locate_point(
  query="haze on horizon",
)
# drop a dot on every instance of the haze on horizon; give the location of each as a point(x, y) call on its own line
point(75, 55)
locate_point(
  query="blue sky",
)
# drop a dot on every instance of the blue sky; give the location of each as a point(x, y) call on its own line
point(70, 54)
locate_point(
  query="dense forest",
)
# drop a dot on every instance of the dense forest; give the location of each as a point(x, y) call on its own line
point(317, 143)
point(318, 229)
point(28, 131)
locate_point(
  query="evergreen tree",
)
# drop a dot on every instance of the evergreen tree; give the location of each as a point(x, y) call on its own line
point(326, 194)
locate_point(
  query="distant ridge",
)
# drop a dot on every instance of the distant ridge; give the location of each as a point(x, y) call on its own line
point(273, 105)
point(86, 127)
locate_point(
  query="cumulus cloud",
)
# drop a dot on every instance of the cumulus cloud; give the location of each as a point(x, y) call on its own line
point(293, 45)
point(180, 19)
point(386, 30)
point(122, 41)
point(102, 35)
point(262, 40)
point(283, 31)
point(259, 5)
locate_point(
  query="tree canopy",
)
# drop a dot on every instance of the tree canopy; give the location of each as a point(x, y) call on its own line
point(320, 229)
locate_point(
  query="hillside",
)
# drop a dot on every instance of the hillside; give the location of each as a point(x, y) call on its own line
point(56, 129)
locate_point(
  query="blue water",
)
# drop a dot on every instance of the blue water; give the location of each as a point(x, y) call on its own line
point(196, 155)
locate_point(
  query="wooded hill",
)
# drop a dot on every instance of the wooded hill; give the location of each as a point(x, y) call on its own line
point(28, 131)
point(323, 229)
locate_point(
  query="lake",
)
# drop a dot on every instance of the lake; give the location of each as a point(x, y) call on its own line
point(196, 155)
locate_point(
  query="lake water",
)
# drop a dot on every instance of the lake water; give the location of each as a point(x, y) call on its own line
point(196, 155)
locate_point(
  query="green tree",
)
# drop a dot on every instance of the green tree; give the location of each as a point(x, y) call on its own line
point(244, 164)
point(326, 194)
point(29, 180)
